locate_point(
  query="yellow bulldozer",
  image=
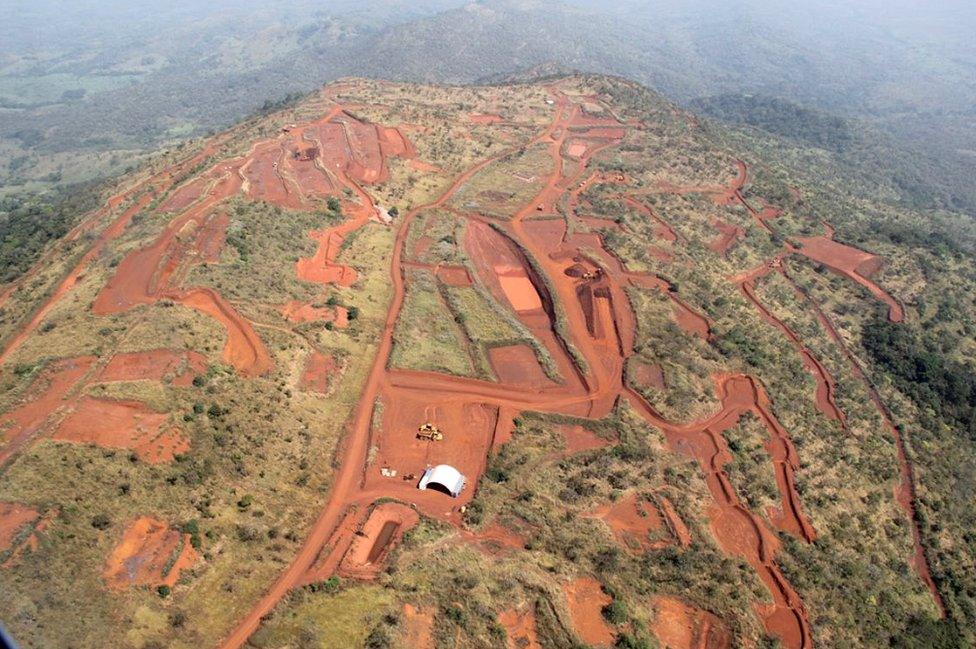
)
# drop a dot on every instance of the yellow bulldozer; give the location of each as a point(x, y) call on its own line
point(430, 432)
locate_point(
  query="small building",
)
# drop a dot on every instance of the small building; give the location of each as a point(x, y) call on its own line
point(444, 478)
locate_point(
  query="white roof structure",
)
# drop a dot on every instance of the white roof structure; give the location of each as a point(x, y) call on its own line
point(444, 476)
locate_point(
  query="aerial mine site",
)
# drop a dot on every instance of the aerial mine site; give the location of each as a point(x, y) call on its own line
point(548, 361)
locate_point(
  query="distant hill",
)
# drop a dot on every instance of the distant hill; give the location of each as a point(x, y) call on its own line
point(91, 99)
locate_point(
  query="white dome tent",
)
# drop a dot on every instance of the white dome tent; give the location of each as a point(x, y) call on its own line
point(444, 476)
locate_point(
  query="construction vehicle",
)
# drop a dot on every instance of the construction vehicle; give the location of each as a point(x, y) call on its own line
point(430, 433)
point(591, 274)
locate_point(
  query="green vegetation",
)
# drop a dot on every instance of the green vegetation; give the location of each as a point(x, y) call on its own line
point(425, 337)
point(28, 223)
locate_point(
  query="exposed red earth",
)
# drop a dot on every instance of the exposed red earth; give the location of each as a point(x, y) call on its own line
point(154, 365)
point(418, 626)
point(376, 538)
point(150, 553)
point(25, 539)
point(127, 425)
point(579, 439)
point(319, 373)
point(46, 396)
point(636, 523)
point(679, 625)
point(852, 263)
point(905, 490)
point(20, 531)
point(485, 119)
point(495, 539)
point(519, 627)
point(517, 365)
point(650, 375)
point(13, 519)
point(586, 599)
point(728, 235)
point(561, 283)
point(676, 525)
point(603, 336)
point(56, 407)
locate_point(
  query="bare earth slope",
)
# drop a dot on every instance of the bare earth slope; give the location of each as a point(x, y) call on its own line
point(640, 347)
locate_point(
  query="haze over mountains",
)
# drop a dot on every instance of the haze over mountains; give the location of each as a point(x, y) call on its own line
point(72, 81)
point(499, 355)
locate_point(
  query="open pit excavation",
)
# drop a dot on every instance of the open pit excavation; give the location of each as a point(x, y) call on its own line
point(531, 273)
point(297, 393)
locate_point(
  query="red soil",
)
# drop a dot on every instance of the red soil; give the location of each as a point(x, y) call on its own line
point(319, 373)
point(905, 492)
point(418, 626)
point(127, 425)
point(46, 395)
point(425, 167)
point(650, 375)
point(520, 628)
point(297, 311)
point(579, 439)
point(376, 539)
point(517, 365)
point(14, 518)
point(472, 412)
point(454, 275)
point(689, 320)
point(678, 625)
point(728, 236)
point(185, 195)
point(546, 233)
point(826, 386)
point(154, 365)
point(518, 288)
point(321, 268)
point(496, 538)
point(634, 522)
point(677, 526)
point(147, 547)
point(576, 149)
point(660, 254)
point(586, 599)
point(476, 118)
point(243, 349)
point(854, 264)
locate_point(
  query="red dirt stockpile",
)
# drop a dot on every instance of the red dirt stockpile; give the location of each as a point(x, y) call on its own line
point(148, 547)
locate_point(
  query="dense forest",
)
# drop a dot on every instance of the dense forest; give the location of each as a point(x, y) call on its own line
point(29, 222)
